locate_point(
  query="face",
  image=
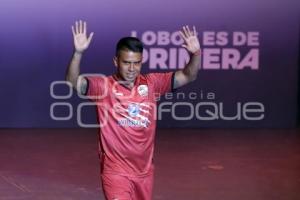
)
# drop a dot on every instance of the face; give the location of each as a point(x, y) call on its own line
point(129, 65)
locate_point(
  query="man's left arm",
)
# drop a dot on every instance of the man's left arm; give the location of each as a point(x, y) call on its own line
point(190, 71)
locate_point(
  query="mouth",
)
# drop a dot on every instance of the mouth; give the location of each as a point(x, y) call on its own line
point(131, 76)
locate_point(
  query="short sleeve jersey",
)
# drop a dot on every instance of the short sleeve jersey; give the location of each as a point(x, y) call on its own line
point(127, 120)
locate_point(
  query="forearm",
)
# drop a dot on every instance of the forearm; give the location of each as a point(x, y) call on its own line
point(192, 67)
point(73, 70)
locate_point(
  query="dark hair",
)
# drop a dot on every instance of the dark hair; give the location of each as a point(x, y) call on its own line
point(129, 44)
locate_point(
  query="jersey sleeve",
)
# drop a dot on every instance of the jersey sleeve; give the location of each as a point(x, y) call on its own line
point(162, 82)
point(96, 87)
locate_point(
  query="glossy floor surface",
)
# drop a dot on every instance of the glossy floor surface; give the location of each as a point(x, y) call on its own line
point(202, 164)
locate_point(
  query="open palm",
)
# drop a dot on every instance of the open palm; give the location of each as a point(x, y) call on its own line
point(81, 41)
point(190, 38)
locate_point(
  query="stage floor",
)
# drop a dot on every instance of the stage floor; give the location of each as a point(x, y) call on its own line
point(202, 164)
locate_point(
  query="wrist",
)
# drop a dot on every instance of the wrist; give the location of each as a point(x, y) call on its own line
point(197, 53)
point(77, 53)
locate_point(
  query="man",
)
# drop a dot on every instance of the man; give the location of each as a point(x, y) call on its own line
point(126, 106)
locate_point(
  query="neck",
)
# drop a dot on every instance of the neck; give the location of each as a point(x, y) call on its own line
point(124, 82)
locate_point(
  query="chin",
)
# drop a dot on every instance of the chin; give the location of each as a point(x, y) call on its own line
point(130, 79)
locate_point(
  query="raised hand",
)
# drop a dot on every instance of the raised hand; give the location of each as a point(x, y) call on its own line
point(81, 42)
point(190, 38)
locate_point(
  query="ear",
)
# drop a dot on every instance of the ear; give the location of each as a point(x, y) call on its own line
point(115, 60)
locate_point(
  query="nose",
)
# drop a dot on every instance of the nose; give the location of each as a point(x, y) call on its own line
point(131, 67)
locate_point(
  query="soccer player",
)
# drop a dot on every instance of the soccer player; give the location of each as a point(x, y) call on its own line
point(126, 106)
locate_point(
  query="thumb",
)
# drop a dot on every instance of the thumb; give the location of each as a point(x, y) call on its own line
point(90, 37)
point(184, 46)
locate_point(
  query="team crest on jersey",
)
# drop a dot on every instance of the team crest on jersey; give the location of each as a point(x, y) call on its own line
point(143, 90)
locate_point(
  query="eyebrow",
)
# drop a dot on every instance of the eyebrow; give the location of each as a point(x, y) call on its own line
point(128, 61)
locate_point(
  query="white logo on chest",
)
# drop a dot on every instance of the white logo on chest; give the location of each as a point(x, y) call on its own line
point(142, 90)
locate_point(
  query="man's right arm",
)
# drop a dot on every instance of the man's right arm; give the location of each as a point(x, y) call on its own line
point(73, 71)
point(81, 43)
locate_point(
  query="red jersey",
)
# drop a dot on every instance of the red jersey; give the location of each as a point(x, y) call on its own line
point(127, 119)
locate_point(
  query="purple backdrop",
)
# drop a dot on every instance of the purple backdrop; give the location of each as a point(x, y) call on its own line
point(261, 91)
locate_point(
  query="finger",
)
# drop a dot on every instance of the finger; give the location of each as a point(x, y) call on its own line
point(80, 27)
point(188, 31)
point(76, 27)
point(195, 32)
point(73, 31)
point(90, 37)
point(84, 28)
point(183, 36)
point(185, 31)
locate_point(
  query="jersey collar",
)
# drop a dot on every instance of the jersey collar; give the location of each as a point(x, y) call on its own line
point(117, 78)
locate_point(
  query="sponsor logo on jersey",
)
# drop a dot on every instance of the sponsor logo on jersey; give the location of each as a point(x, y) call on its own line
point(133, 109)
